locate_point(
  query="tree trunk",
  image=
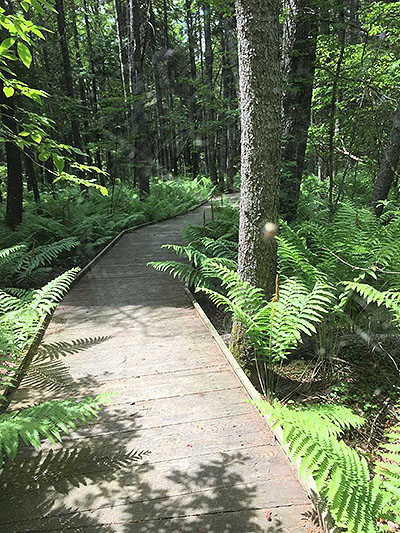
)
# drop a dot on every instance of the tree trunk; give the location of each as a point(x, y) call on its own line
point(168, 55)
point(14, 163)
point(300, 40)
point(68, 79)
point(193, 113)
point(389, 166)
point(66, 61)
point(209, 110)
point(121, 34)
point(230, 88)
point(95, 97)
point(139, 123)
point(31, 175)
point(162, 142)
point(260, 94)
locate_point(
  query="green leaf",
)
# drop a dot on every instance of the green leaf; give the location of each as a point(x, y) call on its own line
point(7, 44)
point(8, 91)
point(59, 162)
point(24, 54)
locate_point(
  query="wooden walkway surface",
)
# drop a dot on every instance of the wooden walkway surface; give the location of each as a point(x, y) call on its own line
point(178, 450)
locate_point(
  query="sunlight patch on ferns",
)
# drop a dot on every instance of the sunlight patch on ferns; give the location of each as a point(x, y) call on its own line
point(312, 434)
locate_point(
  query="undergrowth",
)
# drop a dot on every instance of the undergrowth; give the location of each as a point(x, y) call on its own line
point(69, 226)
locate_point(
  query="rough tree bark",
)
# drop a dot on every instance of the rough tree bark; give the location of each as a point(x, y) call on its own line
point(389, 166)
point(260, 96)
point(300, 40)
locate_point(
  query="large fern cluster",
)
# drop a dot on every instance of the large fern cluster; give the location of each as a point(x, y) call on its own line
point(356, 497)
point(275, 327)
point(22, 317)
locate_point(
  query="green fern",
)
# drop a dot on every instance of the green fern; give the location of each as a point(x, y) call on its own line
point(46, 421)
point(342, 475)
point(388, 467)
point(274, 327)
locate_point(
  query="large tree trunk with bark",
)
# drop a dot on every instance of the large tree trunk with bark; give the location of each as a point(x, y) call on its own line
point(389, 166)
point(260, 96)
point(300, 40)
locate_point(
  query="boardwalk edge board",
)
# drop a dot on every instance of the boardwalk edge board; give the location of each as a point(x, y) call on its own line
point(309, 485)
point(31, 348)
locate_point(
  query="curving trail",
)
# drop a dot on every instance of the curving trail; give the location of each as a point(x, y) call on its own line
point(178, 450)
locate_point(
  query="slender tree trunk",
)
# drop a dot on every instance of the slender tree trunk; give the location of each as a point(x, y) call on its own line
point(120, 25)
point(332, 113)
point(170, 83)
point(209, 110)
point(300, 40)
point(139, 122)
point(31, 175)
point(68, 79)
point(95, 96)
point(389, 166)
point(162, 141)
point(230, 96)
point(13, 159)
point(193, 113)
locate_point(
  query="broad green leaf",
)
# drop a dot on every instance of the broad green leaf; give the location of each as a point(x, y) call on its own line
point(8, 91)
point(59, 162)
point(24, 54)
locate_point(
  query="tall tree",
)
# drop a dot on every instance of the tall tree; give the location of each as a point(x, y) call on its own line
point(389, 166)
point(67, 69)
point(136, 80)
point(193, 112)
point(300, 41)
point(230, 89)
point(260, 98)
point(209, 110)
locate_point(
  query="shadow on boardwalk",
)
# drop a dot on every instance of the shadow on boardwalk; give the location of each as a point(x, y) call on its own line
point(69, 487)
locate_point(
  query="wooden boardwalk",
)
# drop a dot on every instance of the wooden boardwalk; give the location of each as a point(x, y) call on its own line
point(178, 450)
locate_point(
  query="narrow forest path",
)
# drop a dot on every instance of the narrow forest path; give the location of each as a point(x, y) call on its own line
point(178, 449)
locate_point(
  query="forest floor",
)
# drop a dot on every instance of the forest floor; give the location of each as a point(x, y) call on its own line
point(179, 449)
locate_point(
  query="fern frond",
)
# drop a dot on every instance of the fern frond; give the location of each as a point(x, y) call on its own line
point(46, 421)
point(46, 299)
point(341, 473)
point(182, 271)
